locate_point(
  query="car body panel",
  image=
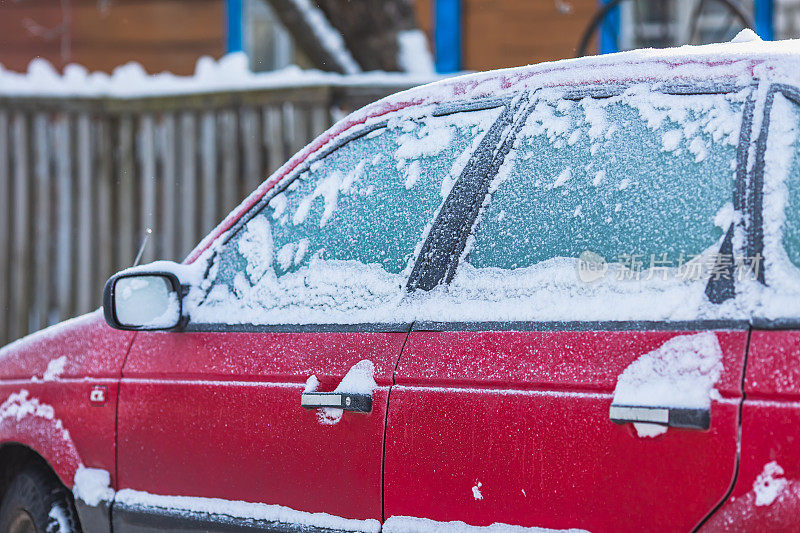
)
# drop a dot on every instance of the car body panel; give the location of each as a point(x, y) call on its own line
point(219, 415)
point(513, 427)
point(54, 414)
point(764, 498)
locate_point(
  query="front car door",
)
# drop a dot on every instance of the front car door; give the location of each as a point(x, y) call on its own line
point(596, 290)
point(299, 298)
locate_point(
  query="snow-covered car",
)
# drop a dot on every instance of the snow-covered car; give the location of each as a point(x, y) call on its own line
point(556, 296)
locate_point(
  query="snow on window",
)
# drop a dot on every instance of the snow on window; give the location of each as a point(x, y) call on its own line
point(337, 245)
point(781, 297)
point(638, 180)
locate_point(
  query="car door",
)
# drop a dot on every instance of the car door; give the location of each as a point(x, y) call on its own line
point(231, 422)
point(585, 367)
point(767, 492)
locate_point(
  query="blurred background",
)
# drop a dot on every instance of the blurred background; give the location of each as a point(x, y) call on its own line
point(123, 116)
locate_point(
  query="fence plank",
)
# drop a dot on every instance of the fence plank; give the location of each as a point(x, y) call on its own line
point(20, 267)
point(5, 232)
point(229, 141)
point(43, 227)
point(125, 199)
point(147, 182)
point(85, 271)
point(166, 149)
point(208, 170)
point(273, 138)
point(188, 183)
point(64, 207)
point(253, 169)
point(104, 225)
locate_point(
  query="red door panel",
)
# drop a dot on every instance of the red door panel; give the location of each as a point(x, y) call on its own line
point(514, 427)
point(767, 498)
point(218, 415)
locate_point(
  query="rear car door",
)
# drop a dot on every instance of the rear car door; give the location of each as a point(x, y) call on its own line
point(767, 493)
point(597, 288)
point(297, 299)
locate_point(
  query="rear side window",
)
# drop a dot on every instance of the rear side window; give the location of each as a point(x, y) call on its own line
point(780, 298)
point(337, 244)
point(607, 209)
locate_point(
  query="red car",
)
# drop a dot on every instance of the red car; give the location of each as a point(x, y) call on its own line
point(557, 296)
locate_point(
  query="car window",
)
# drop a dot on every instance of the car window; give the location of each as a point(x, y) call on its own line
point(339, 241)
point(606, 205)
point(780, 298)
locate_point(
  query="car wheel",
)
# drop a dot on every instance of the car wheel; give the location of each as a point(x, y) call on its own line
point(35, 502)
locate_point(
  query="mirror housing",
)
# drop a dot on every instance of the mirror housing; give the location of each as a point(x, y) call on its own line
point(143, 301)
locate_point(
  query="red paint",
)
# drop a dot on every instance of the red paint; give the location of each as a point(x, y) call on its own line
point(770, 432)
point(223, 419)
point(530, 414)
point(94, 355)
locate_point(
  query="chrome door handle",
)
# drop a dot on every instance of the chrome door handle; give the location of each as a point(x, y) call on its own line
point(359, 403)
point(676, 417)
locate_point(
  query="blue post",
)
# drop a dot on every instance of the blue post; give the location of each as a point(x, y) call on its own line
point(447, 35)
point(609, 31)
point(764, 18)
point(233, 26)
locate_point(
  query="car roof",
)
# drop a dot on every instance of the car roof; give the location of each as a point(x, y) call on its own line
point(740, 62)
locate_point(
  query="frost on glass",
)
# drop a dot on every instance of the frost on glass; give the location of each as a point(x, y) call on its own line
point(338, 243)
point(780, 298)
point(641, 184)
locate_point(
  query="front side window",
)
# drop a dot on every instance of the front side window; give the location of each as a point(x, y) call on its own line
point(608, 208)
point(338, 243)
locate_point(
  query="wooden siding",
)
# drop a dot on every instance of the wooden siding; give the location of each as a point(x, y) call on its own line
point(102, 34)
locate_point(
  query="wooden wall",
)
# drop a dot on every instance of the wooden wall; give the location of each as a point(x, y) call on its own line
point(510, 33)
point(172, 34)
point(101, 34)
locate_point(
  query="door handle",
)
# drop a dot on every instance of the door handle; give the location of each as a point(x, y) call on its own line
point(358, 403)
point(676, 417)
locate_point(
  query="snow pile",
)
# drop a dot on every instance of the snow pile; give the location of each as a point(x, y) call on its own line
point(680, 373)
point(245, 510)
point(769, 484)
point(409, 524)
point(230, 73)
point(414, 55)
point(92, 486)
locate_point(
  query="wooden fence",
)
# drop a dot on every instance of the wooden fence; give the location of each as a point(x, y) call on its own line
point(81, 179)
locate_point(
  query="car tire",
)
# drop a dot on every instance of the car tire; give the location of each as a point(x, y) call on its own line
point(36, 502)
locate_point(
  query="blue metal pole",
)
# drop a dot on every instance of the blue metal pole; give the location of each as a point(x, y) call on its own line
point(234, 41)
point(609, 31)
point(447, 35)
point(764, 18)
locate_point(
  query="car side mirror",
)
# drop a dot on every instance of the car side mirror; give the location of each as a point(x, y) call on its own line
point(143, 301)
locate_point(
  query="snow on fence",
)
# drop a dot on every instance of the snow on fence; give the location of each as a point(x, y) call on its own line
point(82, 177)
